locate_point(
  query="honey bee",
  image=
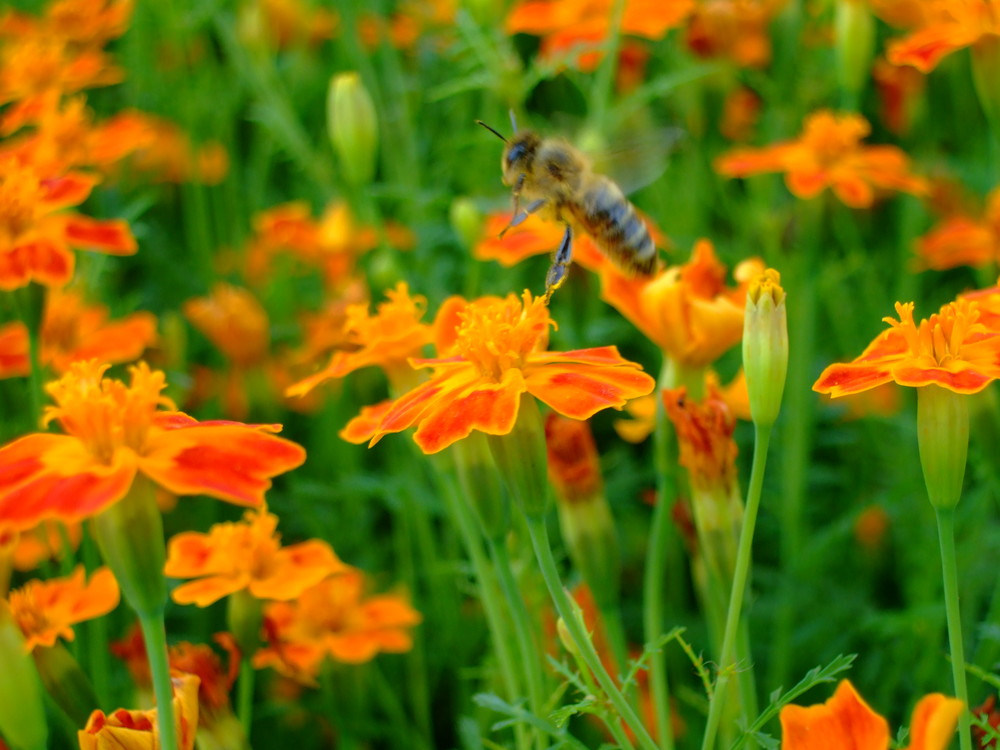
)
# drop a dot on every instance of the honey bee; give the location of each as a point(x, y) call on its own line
point(555, 180)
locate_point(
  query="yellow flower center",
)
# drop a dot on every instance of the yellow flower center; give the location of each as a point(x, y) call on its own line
point(831, 138)
point(106, 414)
point(498, 336)
point(20, 191)
point(942, 336)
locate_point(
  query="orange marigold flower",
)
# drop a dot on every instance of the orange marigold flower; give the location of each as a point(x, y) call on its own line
point(36, 235)
point(733, 29)
point(168, 154)
point(963, 241)
point(740, 113)
point(47, 610)
point(83, 22)
point(233, 320)
point(688, 311)
point(705, 438)
point(138, 730)
point(49, 540)
point(846, 720)
point(387, 339)
point(952, 349)
point(568, 24)
point(286, 23)
point(944, 27)
point(829, 154)
point(248, 556)
point(500, 355)
point(72, 332)
point(898, 88)
point(114, 431)
point(870, 527)
point(334, 618)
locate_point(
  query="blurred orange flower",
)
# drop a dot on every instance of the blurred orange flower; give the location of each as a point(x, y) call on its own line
point(829, 154)
point(568, 24)
point(168, 154)
point(233, 320)
point(46, 610)
point(898, 89)
point(86, 23)
point(963, 241)
point(500, 356)
point(247, 556)
point(846, 720)
point(740, 113)
point(733, 29)
point(387, 339)
point(48, 541)
point(334, 618)
point(138, 730)
point(688, 311)
point(289, 22)
point(952, 349)
point(113, 432)
point(943, 27)
point(36, 235)
point(72, 332)
point(705, 438)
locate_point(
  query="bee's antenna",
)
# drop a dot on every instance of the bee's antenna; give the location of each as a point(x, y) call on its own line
point(480, 122)
point(513, 120)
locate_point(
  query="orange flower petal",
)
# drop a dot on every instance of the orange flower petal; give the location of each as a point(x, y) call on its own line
point(925, 48)
point(69, 190)
point(227, 461)
point(362, 428)
point(14, 359)
point(575, 388)
point(207, 591)
point(114, 236)
point(933, 723)
point(844, 721)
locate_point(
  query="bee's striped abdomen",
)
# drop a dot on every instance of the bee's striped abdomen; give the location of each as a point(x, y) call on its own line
point(607, 216)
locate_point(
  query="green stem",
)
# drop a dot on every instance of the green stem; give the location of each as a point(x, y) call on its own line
point(155, 636)
point(496, 620)
point(604, 78)
point(740, 578)
point(244, 701)
point(543, 553)
point(523, 629)
point(949, 569)
point(611, 617)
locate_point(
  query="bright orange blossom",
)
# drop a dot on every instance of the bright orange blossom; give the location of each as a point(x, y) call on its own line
point(946, 26)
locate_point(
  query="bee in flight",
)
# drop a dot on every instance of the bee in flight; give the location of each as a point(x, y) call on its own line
point(556, 180)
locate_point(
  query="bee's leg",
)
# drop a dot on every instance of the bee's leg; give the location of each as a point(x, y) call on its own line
point(560, 264)
point(520, 217)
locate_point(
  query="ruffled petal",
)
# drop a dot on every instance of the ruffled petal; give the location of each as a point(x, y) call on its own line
point(296, 568)
point(961, 379)
point(925, 48)
point(14, 359)
point(230, 462)
point(580, 390)
point(411, 406)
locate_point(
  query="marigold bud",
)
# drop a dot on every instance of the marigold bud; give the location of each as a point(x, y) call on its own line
point(855, 44)
point(22, 713)
point(765, 346)
point(466, 220)
point(352, 123)
point(943, 439)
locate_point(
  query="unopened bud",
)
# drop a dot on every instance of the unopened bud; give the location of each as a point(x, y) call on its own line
point(855, 44)
point(943, 439)
point(353, 127)
point(765, 346)
point(466, 220)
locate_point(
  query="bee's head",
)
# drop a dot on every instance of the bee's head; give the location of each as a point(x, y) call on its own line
point(519, 155)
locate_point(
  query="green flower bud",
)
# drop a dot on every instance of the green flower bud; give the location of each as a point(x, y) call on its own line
point(353, 127)
point(765, 346)
point(466, 220)
point(66, 682)
point(244, 618)
point(520, 458)
point(943, 438)
point(22, 713)
point(855, 44)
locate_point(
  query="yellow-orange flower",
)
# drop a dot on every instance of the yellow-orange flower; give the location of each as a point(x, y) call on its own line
point(829, 154)
point(565, 24)
point(334, 618)
point(247, 556)
point(943, 27)
point(963, 241)
point(139, 730)
point(847, 721)
point(114, 432)
point(733, 29)
point(46, 610)
point(500, 356)
point(86, 23)
point(952, 349)
point(36, 235)
point(688, 311)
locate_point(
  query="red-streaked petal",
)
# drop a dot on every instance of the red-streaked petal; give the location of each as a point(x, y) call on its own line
point(843, 379)
point(964, 380)
point(295, 569)
point(69, 190)
point(53, 476)
point(42, 260)
point(14, 359)
point(410, 407)
point(178, 420)
point(113, 236)
point(228, 462)
point(601, 356)
point(925, 48)
point(581, 390)
point(807, 184)
point(485, 406)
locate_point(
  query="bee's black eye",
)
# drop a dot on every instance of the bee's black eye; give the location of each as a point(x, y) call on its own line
point(515, 153)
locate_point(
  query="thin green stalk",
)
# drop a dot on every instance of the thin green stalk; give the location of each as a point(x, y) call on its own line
point(543, 553)
point(949, 569)
point(523, 629)
point(155, 636)
point(611, 617)
point(740, 578)
point(496, 620)
point(604, 78)
point(244, 698)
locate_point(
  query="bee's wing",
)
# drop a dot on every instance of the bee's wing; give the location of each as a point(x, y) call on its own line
point(634, 157)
